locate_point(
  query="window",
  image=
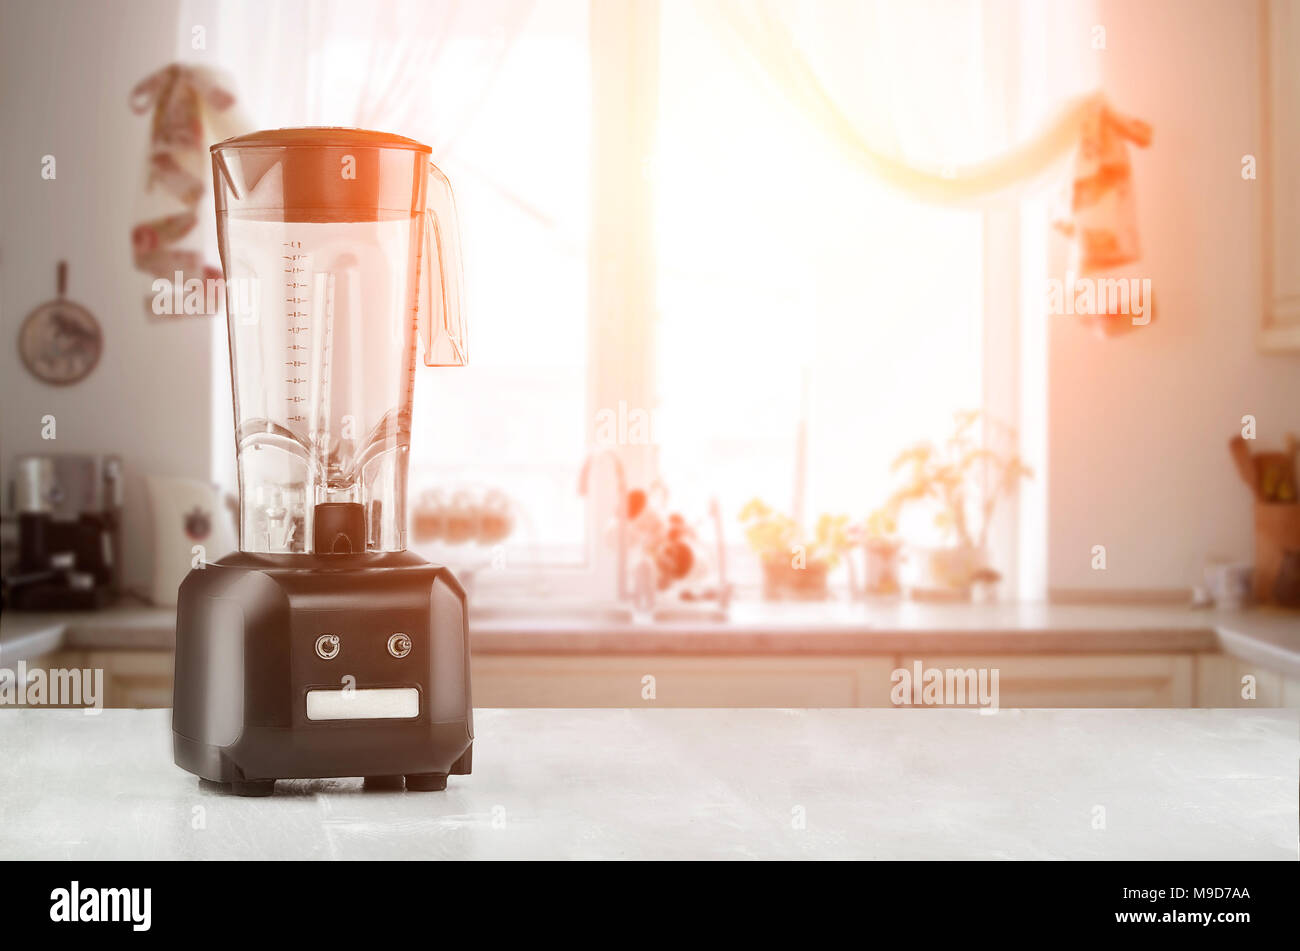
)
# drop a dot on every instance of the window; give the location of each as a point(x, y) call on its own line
point(812, 323)
point(514, 419)
point(650, 225)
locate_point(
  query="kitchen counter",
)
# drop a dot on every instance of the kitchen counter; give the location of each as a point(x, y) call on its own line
point(669, 784)
point(28, 634)
point(1269, 637)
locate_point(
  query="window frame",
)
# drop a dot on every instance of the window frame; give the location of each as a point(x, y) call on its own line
point(624, 49)
point(1006, 370)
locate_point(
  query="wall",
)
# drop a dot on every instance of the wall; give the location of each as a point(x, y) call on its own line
point(66, 70)
point(1139, 425)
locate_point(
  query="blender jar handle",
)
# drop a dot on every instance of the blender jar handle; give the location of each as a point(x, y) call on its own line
point(441, 322)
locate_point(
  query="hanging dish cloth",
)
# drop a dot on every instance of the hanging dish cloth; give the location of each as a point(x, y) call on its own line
point(186, 101)
point(1102, 223)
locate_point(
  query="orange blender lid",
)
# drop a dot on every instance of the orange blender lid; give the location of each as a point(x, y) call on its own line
point(320, 174)
point(321, 137)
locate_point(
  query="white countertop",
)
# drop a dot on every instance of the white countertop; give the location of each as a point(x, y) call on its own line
point(665, 784)
point(1267, 636)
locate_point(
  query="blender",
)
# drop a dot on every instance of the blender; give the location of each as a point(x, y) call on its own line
point(322, 647)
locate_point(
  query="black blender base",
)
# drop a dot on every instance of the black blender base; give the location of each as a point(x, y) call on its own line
point(426, 782)
point(384, 783)
point(253, 787)
point(413, 782)
point(435, 782)
point(248, 658)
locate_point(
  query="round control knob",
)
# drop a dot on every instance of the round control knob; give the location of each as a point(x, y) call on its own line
point(327, 646)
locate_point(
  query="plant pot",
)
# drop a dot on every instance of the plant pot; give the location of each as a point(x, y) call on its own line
point(944, 574)
point(880, 575)
point(784, 582)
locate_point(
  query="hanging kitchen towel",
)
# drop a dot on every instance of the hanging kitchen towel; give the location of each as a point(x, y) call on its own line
point(192, 107)
point(1103, 210)
point(1102, 223)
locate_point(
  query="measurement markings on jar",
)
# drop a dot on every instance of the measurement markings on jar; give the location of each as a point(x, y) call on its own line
point(295, 321)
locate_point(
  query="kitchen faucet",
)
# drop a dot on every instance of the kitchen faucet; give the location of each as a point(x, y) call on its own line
point(620, 509)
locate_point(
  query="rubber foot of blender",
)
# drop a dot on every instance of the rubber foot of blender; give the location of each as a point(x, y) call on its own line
point(383, 782)
point(426, 782)
point(464, 765)
point(253, 787)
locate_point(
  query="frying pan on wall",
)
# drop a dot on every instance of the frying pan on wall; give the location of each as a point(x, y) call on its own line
point(60, 341)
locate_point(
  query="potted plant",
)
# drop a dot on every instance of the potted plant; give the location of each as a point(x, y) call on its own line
point(878, 536)
point(794, 567)
point(966, 478)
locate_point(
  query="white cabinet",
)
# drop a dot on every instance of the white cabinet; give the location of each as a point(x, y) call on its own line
point(143, 678)
point(1279, 174)
point(1080, 680)
point(1224, 681)
point(1073, 680)
point(132, 678)
point(616, 680)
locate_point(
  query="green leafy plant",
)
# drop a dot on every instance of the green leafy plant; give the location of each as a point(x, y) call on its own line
point(965, 475)
point(774, 535)
point(881, 525)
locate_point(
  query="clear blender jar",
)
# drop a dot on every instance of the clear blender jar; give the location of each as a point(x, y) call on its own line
point(341, 257)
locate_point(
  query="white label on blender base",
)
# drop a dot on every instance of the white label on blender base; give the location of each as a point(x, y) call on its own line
point(375, 703)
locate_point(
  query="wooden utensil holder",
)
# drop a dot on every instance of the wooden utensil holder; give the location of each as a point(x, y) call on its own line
point(1277, 529)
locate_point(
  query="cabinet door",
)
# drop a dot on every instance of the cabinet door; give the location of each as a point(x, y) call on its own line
point(136, 678)
point(1078, 680)
point(1224, 681)
point(1279, 174)
point(696, 681)
point(124, 678)
point(1291, 693)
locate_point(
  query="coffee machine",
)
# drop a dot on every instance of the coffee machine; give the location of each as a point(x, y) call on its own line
point(322, 647)
point(68, 509)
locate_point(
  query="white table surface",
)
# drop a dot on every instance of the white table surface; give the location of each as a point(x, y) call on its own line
point(922, 784)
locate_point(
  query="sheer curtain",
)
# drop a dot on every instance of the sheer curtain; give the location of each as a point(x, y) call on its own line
point(424, 67)
point(897, 111)
point(832, 286)
point(500, 90)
